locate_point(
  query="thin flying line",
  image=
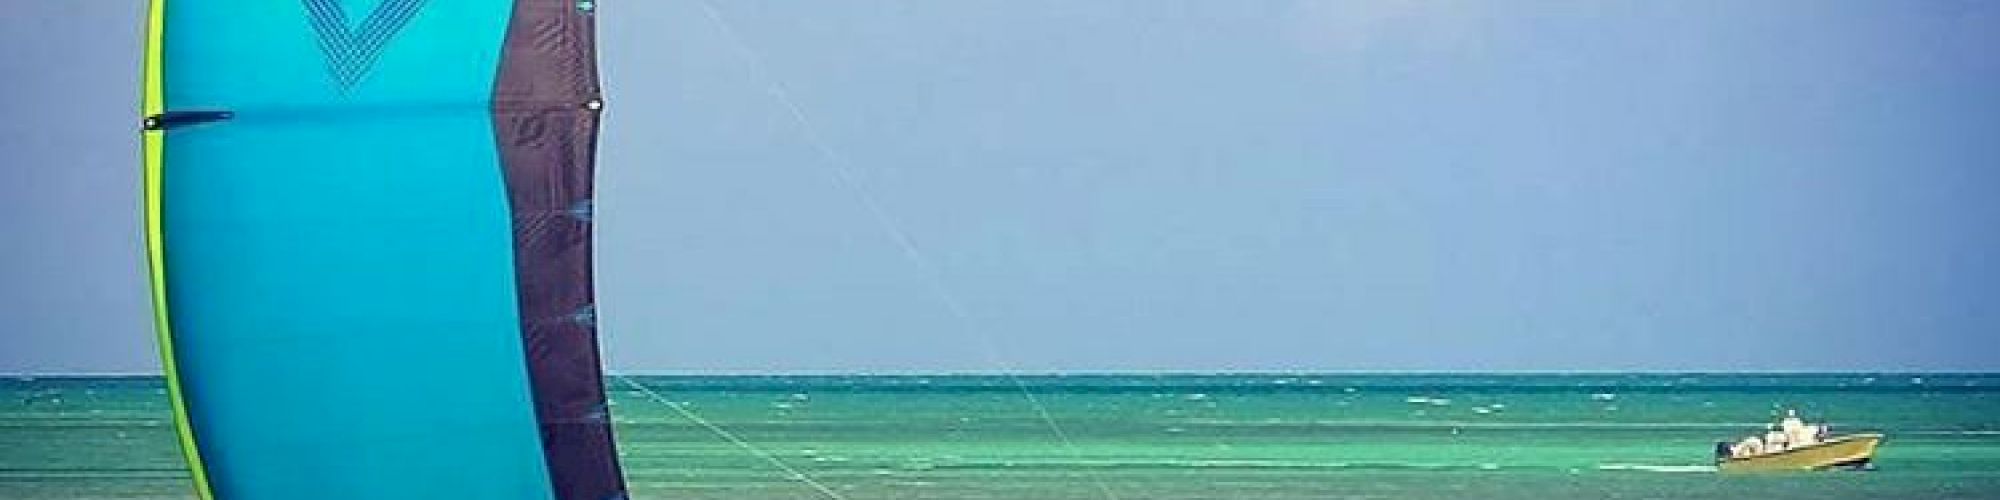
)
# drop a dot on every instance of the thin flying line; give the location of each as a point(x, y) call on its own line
point(838, 164)
point(731, 437)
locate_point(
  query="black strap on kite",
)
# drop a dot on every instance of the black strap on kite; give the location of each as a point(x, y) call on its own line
point(171, 119)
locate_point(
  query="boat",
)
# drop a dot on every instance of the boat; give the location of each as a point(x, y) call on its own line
point(1856, 451)
point(1792, 445)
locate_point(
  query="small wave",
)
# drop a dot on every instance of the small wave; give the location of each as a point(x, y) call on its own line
point(1211, 464)
point(1952, 433)
point(1657, 468)
point(1471, 424)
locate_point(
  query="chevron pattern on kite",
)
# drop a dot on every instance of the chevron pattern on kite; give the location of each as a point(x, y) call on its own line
point(352, 51)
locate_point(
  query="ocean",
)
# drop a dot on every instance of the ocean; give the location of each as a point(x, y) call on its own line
point(1147, 436)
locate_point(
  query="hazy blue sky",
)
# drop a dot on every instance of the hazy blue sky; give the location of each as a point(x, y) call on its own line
point(1190, 185)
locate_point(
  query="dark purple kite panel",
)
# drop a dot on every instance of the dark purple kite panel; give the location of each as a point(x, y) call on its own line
point(545, 112)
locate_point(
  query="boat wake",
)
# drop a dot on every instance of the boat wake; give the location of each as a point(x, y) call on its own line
point(1255, 464)
point(1656, 468)
point(1468, 424)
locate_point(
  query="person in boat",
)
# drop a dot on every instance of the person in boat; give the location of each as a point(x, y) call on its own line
point(1788, 433)
point(1797, 433)
point(1748, 446)
point(1774, 441)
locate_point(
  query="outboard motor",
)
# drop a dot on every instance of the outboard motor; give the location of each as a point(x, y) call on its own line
point(1722, 451)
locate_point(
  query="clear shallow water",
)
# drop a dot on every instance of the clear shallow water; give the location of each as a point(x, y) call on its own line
point(1271, 436)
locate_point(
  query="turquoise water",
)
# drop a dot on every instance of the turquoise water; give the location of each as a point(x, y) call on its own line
point(1271, 436)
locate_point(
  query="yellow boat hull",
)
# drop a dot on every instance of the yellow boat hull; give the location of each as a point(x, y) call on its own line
point(1844, 451)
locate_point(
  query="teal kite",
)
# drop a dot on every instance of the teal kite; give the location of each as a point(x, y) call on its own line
point(369, 229)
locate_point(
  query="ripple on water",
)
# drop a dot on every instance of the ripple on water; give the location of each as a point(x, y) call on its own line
point(1656, 468)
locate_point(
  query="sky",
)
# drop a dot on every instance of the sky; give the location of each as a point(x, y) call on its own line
point(1116, 185)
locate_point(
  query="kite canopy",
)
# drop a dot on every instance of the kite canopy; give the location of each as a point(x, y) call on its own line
point(369, 233)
